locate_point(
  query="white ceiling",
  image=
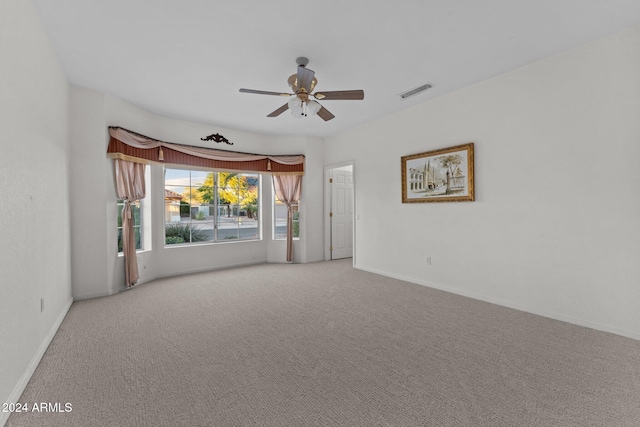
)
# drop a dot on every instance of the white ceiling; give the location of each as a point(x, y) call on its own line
point(187, 59)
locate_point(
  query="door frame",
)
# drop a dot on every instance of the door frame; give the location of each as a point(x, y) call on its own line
point(327, 207)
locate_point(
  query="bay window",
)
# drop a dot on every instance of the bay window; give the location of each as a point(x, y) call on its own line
point(208, 206)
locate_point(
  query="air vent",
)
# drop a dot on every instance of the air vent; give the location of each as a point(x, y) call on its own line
point(415, 91)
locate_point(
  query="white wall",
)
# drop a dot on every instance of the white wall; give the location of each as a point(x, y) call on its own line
point(88, 211)
point(555, 228)
point(312, 200)
point(97, 269)
point(34, 213)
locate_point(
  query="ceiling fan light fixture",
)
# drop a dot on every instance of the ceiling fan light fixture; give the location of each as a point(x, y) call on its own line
point(313, 107)
point(296, 107)
point(300, 108)
point(295, 103)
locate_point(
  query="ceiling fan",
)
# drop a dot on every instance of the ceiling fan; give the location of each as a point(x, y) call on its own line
point(302, 85)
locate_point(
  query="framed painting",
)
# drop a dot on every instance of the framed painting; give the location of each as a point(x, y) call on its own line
point(444, 175)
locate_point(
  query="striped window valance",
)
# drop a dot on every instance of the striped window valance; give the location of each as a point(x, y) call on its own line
point(132, 146)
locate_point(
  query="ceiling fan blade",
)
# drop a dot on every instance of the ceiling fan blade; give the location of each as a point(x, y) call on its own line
point(279, 111)
point(305, 78)
point(324, 114)
point(264, 92)
point(340, 94)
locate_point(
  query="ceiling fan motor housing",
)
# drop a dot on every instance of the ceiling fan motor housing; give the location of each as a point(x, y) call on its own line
point(303, 95)
point(293, 84)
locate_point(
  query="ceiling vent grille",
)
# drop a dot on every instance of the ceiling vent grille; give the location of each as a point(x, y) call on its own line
point(415, 91)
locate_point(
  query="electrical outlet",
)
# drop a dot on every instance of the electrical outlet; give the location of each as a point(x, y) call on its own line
point(428, 260)
point(41, 305)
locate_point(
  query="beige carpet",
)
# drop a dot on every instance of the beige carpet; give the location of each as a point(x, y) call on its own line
point(325, 345)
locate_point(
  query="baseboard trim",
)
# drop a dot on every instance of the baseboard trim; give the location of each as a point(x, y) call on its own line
point(544, 313)
point(204, 270)
point(165, 276)
point(24, 380)
point(80, 297)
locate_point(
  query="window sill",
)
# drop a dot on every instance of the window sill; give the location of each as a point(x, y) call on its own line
point(140, 251)
point(194, 244)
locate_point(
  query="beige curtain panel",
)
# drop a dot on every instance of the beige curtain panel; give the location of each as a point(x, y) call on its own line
point(128, 145)
point(130, 186)
point(289, 190)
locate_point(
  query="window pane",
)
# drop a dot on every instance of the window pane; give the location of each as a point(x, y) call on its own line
point(248, 221)
point(202, 188)
point(204, 199)
point(176, 194)
point(295, 223)
point(173, 210)
point(200, 178)
point(280, 219)
point(138, 236)
point(238, 195)
point(136, 214)
point(228, 224)
point(137, 231)
point(177, 176)
point(177, 204)
point(119, 207)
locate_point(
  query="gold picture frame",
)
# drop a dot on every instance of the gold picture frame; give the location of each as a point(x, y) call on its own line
point(444, 175)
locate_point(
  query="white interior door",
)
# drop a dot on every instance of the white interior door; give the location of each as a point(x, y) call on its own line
point(341, 213)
